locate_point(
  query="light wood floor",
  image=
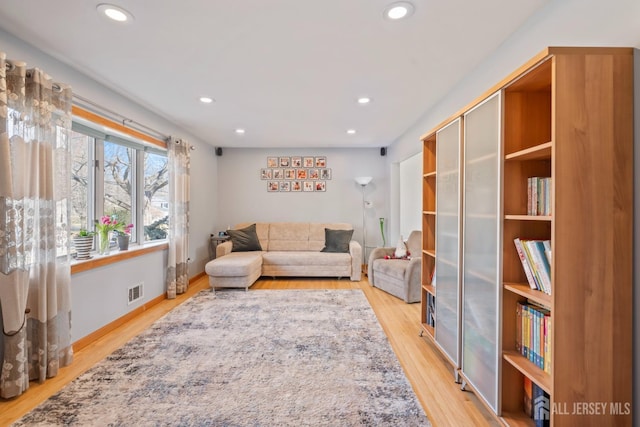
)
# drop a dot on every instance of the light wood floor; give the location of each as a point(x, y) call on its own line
point(430, 375)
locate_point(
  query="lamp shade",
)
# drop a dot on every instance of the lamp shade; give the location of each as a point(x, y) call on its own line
point(363, 180)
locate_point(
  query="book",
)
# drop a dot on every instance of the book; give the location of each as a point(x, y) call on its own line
point(525, 264)
point(519, 328)
point(528, 391)
point(542, 246)
point(541, 268)
point(541, 407)
point(532, 265)
point(547, 343)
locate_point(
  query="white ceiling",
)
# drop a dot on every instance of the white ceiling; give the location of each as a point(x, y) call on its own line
point(287, 71)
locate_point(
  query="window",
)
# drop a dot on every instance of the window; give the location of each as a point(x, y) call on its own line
point(116, 175)
point(156, 196)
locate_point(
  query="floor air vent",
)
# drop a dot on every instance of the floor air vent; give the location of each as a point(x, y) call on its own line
point(135, 293)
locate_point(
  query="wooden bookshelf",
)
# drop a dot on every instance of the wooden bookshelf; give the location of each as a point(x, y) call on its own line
point(589, 162)
point(428, 229)
point(566, 114)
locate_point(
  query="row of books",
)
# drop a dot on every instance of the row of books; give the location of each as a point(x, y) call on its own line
point(537, 403)
point(535, 256)
point(533, 334)
point(431, 310)
point(538, 195)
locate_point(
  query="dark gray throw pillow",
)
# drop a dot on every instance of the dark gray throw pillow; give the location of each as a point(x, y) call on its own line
point(336, 240)
point(245, 239)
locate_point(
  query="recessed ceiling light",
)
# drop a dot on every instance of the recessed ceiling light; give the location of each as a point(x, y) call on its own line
point(240, 131)
point(364, 100)
point(398, 10)
point(351, 131)
point(206, 100)
point(115, 13)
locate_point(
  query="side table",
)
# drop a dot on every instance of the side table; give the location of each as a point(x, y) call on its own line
point(214, 241)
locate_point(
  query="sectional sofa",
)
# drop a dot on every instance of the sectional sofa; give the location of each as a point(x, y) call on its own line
point(292, 249)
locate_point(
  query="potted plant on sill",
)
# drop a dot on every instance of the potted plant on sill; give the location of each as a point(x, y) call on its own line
point(124, 237)
point(83, 241)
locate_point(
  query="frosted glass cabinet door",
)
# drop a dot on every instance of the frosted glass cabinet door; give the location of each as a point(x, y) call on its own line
point(481, 247)
point(448, 240)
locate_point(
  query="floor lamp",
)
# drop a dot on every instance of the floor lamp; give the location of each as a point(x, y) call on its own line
point(363, 181)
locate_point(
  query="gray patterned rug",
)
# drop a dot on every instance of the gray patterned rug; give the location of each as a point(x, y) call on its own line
point(257, 358)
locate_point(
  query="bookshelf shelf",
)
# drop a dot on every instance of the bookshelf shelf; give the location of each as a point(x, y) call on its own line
point(430, 289)
point(524, 290)
point(517, 419)
point(429, 212)
point(527, 368)
point(430, 174)
point(430, 253)
point(542, 151)
point(528, 217)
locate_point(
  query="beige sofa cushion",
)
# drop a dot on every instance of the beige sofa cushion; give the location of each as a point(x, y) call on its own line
point(289, 236)
point(235, 264)
point(305, 258)
point(395, 268)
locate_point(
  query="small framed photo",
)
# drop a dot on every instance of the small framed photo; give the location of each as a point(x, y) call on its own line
point(284, 162)
point(296, 186)
point(307, 162)
point(296, 162)
point(313, 174)
point(265, 173)
point(321, 162)
point(272, 162)
point(289, 174)
point(325, 174)
point(307, 186)
point(321, 186)
point(278, 174)
point(285, 186)
point(272, 186)
point(301, 173)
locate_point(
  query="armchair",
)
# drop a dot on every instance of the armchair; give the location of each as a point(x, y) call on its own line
point(399, 277)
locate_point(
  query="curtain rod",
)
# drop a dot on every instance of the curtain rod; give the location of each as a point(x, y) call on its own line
point(117, 117)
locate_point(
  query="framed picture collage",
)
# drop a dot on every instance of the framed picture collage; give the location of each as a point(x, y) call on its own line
point(296, 173)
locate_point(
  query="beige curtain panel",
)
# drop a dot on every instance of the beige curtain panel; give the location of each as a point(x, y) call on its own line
point(179, 187)
point(35, 275)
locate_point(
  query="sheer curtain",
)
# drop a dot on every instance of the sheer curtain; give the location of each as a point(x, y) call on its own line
point(179, 184)
point(35, 275)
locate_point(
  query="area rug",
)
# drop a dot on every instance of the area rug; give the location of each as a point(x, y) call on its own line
point(257, 358)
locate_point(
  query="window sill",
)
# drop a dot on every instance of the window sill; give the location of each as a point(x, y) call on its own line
point(117, 256)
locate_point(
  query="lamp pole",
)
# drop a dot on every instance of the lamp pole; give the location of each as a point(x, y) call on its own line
point(364, 230)
point(363, 181)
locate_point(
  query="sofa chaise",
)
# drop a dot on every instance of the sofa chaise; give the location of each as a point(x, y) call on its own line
point(287, 249)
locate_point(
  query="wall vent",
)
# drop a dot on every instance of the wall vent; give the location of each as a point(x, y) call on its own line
point(135, 292)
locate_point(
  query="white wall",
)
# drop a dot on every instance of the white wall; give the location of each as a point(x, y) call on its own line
point(243, 196)
point(410, 195)
point(97, 295)
point(97, 302)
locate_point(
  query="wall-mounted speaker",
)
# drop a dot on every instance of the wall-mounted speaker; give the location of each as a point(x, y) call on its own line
point(383, 151)
point(218, 151)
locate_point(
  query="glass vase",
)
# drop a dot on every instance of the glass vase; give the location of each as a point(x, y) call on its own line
point(104, 241)
point(384, 240)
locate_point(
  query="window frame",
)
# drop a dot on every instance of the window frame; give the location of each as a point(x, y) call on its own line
point(99, 130)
